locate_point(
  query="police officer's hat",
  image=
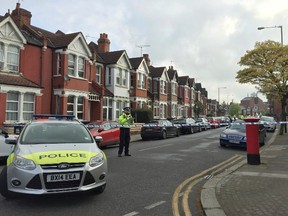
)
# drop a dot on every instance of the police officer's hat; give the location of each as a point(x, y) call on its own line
point(127, 109)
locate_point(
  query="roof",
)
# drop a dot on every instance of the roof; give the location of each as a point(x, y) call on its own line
point(156, 71)
point(111, 57)
point(135, 62)
point(183, 80)
point(17, 80)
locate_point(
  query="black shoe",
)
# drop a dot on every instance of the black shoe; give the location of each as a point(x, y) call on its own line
point(128, 155)
point(119, 155)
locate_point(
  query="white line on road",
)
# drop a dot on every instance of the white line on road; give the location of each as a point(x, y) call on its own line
point(154, 205)
point(131, 214)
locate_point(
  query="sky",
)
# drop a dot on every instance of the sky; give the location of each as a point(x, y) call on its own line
point(203, 39)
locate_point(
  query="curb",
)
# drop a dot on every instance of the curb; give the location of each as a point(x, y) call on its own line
point(209, 200)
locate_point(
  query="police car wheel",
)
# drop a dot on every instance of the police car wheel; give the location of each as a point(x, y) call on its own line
point(3, 186)
point(100, 189)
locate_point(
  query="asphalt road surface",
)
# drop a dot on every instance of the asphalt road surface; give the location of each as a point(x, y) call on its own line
point(151, 182)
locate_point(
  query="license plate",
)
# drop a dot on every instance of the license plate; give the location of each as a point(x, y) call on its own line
point(63, 177)
point(234, 141)
point(149, 129)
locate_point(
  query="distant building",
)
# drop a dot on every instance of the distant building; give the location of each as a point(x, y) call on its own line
point(252, 106)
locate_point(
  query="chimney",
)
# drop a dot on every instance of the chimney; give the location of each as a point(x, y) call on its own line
point(21, 16)
point(147, 59)
point(103, 43)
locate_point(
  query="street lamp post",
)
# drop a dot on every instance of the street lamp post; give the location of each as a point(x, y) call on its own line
point(219, 96)
point(281, 31)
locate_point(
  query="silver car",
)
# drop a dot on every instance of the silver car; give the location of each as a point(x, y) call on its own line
point(5, 149)
point(54, 156)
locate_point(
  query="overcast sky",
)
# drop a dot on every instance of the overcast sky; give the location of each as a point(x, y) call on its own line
point(202, 39)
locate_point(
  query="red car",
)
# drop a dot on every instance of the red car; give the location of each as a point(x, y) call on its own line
point(215, 123)
point(108, 130)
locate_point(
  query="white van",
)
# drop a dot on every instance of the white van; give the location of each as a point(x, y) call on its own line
point(5, 149)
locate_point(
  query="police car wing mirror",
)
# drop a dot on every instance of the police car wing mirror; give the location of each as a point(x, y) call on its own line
point(11, 140)
point(98, 139)
point(100, 129)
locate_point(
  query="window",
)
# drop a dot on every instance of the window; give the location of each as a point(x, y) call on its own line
point(70, 105)
point(107, 108)
point(80, 108)
point(141, 81)
point(118, 77)
point(109, 77)
point(12, 106)
point(28, 106)
point(1, 56)
point(118, 108)
point(162, 87)
point(124, 78)
point(59, 63)
point(132, 80)
point(71, 64)
point(81, 67)
point(186, 93)
point(14, 101)
point(155, 86)
point(149, 84)
point(13, 58)
point(98, 74)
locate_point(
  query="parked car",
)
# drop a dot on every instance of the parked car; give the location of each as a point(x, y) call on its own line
point(159, 129)
point(204, 123)
point(187, 125)
point(108, 130)
point(215, 123)
point(5, 149)
point(235, 135)
point(269, 123)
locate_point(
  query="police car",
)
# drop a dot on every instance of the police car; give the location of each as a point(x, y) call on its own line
point(53, 154)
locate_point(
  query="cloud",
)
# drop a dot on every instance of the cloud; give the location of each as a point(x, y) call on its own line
point(203, 39)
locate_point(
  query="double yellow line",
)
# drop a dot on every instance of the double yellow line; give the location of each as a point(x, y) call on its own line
point(192, 181)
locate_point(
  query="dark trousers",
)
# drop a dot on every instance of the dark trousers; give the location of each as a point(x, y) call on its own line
point(124, 140)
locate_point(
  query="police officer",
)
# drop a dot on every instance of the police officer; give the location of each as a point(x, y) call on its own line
point(125, 121)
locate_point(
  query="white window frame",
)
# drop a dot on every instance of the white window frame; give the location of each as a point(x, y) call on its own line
point(71, 64)
point(80, 107)
point(81, 67)
point(59, 64)
point(98, 74)
point(23, 109)
point(28, 113)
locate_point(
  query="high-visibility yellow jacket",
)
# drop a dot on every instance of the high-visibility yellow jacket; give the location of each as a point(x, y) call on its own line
point(125, 120)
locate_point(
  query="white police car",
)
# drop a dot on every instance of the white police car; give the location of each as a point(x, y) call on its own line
point(53, 154)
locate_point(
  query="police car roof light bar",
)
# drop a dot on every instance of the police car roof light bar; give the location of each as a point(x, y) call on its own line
point(53, 116)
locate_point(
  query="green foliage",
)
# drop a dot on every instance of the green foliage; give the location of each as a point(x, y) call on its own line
point(234, 109)
point(266, 67)
point(142, 115)
point(198, 108)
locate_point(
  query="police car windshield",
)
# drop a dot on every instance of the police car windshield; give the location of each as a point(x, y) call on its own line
point(55, 133)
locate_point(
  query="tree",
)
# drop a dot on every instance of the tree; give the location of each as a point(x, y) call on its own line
point(267, 69)
point(234, 109)
point(198, 108)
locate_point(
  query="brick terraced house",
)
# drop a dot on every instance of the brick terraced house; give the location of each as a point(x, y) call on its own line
point(42, 72)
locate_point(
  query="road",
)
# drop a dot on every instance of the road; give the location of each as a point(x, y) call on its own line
point(163, 177)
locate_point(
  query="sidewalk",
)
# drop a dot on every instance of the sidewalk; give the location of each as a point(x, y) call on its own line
point(255, 190)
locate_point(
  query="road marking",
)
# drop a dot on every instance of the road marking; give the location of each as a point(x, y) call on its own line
point(131, 214)
point(185, 203)
point(156, 147)
point(154, 205)
point(175, 207)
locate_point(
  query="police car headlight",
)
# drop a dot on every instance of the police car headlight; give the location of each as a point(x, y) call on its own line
point(97, 160)
point(24, 163)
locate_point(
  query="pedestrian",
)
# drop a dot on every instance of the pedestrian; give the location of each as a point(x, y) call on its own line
point(125, 121)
